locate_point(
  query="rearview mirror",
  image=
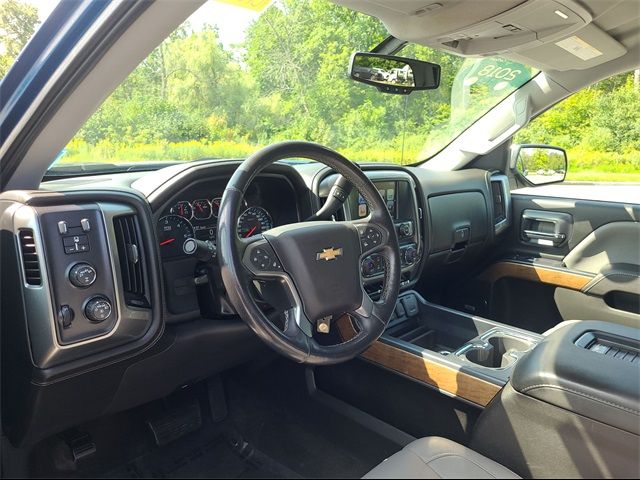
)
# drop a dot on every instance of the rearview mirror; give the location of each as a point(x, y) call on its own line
point(541, 164)
point(394, 74)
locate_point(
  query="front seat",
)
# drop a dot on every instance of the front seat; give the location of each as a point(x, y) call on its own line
point(436, 457)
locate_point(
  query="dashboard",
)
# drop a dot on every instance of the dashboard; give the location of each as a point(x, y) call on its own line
point(109, 311)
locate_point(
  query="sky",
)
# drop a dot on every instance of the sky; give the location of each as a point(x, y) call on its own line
point(232, 21)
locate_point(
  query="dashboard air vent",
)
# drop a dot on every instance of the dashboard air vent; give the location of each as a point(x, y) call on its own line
point(498, 202)
point(30, 261)
point(131, 262)
point(501, 201)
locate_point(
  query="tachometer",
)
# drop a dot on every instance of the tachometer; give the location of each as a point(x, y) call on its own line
point(173, 230)
point(253, 221)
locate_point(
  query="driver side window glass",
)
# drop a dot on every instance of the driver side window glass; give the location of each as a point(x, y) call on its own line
point(599, 127)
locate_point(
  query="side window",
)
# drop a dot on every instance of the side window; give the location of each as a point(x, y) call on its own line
point(599, 127)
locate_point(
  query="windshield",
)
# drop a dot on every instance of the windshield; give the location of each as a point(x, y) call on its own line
point(230, 81)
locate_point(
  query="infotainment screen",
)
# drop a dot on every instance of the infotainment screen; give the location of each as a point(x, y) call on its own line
point(387, 190)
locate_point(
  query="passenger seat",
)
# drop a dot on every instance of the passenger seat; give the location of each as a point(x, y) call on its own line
point(436, 457)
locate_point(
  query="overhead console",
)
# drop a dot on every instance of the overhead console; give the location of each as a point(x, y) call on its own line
point(547, 34)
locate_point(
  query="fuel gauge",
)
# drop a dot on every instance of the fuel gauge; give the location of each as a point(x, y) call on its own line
point(183, 209)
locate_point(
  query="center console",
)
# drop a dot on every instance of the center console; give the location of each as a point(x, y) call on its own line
point(461, 355)
point(475, 345)
point(563, 404)
point(572, 408)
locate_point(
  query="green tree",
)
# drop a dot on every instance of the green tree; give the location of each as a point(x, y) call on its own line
point(18, 22)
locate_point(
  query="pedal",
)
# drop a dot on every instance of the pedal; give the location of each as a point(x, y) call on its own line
point(80, 443)
point(177, 422)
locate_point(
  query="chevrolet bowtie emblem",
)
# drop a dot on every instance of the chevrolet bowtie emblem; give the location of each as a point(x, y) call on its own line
point(329, 254)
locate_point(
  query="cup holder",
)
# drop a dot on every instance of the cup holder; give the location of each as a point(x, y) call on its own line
point(497, 351)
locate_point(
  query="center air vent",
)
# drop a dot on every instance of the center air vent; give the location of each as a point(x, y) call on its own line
point(131, 260)
point(30, 261)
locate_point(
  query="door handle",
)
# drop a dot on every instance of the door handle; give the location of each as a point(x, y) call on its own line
point(557, 238)
point(545, 228)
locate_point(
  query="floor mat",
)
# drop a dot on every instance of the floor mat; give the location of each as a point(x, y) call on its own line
point(200, 456)
point(274, 429)
point(274, 412)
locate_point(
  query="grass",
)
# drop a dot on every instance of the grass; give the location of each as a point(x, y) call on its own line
point(584, 165)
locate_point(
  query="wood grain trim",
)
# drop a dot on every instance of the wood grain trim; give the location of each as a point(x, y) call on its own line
point(536, 273)
point(439, 375)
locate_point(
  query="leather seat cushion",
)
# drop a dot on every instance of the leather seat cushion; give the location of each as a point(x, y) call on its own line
point(436, 457)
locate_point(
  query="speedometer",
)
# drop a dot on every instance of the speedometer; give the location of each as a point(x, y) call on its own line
point(254, 221)
point(173, 230)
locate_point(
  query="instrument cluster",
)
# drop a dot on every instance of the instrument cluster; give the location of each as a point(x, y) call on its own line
point(199, 219)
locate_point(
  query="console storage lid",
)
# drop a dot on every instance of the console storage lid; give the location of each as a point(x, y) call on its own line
point(591, 368)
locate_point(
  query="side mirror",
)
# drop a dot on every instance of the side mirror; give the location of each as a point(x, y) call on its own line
point(394, 74)
point(540, 164)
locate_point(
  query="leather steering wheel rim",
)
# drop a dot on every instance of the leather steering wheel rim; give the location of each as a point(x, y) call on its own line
point(238, 271)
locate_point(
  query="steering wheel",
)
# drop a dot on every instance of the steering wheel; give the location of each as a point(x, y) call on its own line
point(317, 263)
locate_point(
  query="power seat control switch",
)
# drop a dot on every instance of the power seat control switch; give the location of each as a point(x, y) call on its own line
point(98, 309)
point(82, 275)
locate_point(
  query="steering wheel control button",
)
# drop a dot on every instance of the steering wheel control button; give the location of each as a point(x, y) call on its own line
point(75, 244)
point(409, 255)
point(65, 316)
point(405, 229)
point(82, 275)
point(86, 226)
point(98, 309)
point(62, 227)
point(264, 260)
point(370, 238)
point(372, 265)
